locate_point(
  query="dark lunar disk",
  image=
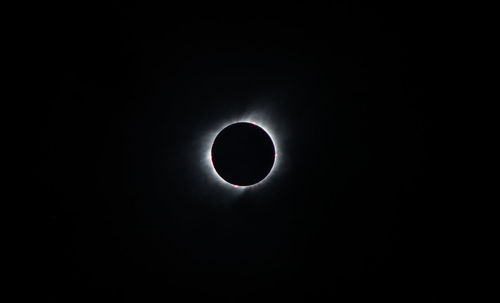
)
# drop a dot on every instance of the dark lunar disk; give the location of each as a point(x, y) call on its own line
point(243, 154)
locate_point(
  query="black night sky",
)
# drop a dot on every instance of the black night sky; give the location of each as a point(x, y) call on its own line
point(130, 212)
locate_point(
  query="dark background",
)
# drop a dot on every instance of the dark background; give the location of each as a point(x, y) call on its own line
point(128, 215)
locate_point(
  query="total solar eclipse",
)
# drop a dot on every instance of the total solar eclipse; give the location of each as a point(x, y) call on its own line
point(243, 154)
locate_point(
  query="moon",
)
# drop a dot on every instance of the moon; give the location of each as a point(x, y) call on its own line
point(243, 154)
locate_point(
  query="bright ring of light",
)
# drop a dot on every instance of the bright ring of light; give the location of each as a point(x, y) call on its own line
point(224, 182)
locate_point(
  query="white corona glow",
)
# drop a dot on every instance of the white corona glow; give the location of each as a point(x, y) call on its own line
point(209, 141)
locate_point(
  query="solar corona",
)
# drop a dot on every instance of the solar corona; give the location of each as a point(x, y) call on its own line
point(242, 154)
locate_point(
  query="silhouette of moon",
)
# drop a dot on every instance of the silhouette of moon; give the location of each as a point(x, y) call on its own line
point(243, 154)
